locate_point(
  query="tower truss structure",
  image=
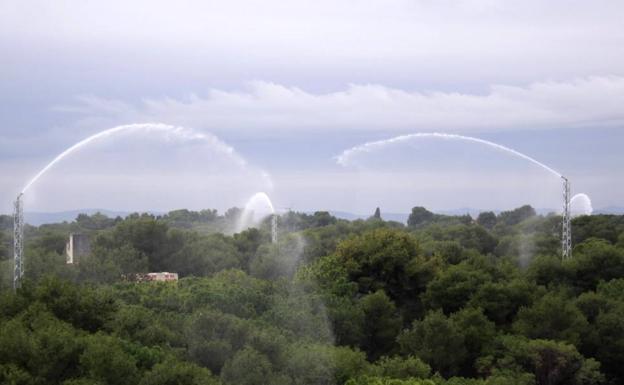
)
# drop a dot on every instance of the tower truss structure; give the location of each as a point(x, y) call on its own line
point(274, 228)
point(566, 225)
point(18, 242)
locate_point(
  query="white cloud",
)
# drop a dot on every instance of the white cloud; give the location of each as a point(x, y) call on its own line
point(267, 107)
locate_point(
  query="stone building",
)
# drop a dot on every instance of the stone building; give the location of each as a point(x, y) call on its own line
point(77, 246)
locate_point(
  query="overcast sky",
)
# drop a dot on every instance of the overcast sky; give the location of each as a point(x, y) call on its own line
point(291, 85)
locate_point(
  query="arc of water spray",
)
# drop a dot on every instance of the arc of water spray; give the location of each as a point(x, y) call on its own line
point(174, 130)
point(244, 219)
point(180, 132)
point(345, 157)
point(585, 201)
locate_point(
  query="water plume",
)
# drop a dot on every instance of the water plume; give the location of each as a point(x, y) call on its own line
point(173, 131)
point(346, 157)
point(258, 207)
point(581, 204)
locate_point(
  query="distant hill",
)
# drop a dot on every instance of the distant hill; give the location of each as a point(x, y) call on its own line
point(610, 210)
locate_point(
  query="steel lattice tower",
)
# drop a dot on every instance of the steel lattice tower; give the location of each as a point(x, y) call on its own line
point(274, 228)
point(18, 242)
point(566, 225)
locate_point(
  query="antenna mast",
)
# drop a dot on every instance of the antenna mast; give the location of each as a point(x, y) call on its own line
point(566, 225)
point(274, 228)
point(18, 242)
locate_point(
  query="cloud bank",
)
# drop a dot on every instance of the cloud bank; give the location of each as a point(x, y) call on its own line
point(268, 107)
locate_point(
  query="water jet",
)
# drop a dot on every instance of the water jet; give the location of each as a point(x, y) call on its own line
point(347, 157)
point(170, 132)
point(259, 200)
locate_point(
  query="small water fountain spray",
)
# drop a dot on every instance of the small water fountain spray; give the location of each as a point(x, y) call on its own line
point(258, 200)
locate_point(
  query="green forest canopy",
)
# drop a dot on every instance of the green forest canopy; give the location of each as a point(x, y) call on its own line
point(441, 300)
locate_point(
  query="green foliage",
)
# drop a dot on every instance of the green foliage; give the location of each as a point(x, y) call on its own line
point(595, 260)
point(109, 265)
point(454, 287)
point(419, 216)
point(6, 222)
point(201, 256)
point(501, 301)
point(322, 218)
point(300, 314)
point(139, 324)
point(513, 217)
point(478, 333)
point(84, 307)
point(322, 364)
point(11, 374)
point(620, 242)
point(338, 296)
point(185, 218)
point(451, 252)
point(604, 310)
point(607, 227)
point(40, 344)
point(233, 292)
point(549, 362)
point(553, 316)
point(248, 243)
point(247, 367)
point(444, 301)
point(40, 263)
point(381, 323)
point(469, 236)
point(4, 246)
point(147, 235)
point(97, 221)
point(273, 261)
point(487, 219)
point(547, 270)
point(438, 341)
point(50, 241)
point(379, 260)
point(214, 338)
point(104, 359)
point(609, 341)
point(171, 372)
point(401, 367)
point(367, 380)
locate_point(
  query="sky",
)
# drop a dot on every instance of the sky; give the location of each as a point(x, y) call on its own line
point(289, 86)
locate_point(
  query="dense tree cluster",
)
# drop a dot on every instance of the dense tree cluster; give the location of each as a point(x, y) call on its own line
point(443, 300)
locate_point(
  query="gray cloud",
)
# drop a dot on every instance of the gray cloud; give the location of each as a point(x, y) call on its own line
point(587, 102)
